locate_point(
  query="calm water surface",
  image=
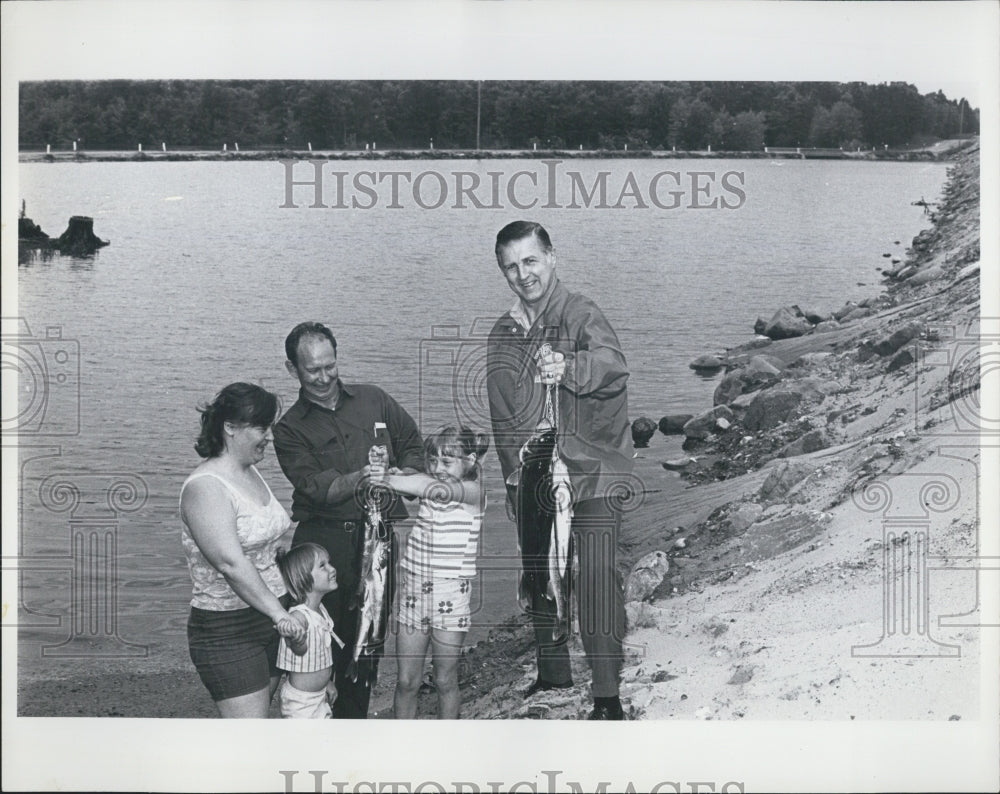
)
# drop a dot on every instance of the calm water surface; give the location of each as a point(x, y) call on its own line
point(206, 274)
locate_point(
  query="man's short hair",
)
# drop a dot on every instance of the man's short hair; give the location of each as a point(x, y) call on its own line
point(518, 230)
point(306, 329)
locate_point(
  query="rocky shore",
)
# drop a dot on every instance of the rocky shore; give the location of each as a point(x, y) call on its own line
point(756, 591)
point(759, 584)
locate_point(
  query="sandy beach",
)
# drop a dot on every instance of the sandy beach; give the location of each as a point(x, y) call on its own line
point(778, 602)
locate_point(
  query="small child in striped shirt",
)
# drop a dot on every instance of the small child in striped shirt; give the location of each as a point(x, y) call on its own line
point(438, 565)
point(308, 576)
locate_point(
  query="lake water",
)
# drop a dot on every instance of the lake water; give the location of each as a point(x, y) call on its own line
point(206, 273)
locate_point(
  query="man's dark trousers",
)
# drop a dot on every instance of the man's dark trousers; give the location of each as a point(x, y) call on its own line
point(600, 603)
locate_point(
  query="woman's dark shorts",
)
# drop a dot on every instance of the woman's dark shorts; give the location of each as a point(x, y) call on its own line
point(234, 651)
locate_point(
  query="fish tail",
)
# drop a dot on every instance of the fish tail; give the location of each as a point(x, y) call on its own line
point(523, 596)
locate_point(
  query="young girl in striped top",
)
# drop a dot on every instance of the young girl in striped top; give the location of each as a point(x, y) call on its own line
point(438, 566)
point(308, 576)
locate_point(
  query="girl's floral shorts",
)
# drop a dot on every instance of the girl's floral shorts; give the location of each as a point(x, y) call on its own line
point(434, 603)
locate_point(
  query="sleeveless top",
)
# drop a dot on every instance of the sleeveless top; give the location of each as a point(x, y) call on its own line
point(444, 541)
point(320, 634)
point(258, 528)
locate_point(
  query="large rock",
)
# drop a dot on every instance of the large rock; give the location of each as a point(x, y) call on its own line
point(642, 430)
point(707, 363)
point(770, 408)
point(702, 425)
point(747, 514)
point(813, 359)
point(646, 575)
point(826, 326)
point(760, 371)
point(783, 478)
point(813, 441)
point(785, 324)
point(857, 313)
point(843, 311)
point(760, 325)
point(926, 275)
point(673, 424)
point(902, 359)
point(814, 315)
point(767, 539)
point(895, 341)
point(729, 388)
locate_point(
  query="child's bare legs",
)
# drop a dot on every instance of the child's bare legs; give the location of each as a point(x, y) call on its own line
point(447, 652)
point(411, 649)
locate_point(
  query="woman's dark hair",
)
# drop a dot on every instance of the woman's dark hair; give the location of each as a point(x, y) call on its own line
point(458, 441)
point(239, 403)
point(518, 230)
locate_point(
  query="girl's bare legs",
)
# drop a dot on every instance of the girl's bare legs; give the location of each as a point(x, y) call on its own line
point(411, 649)
point(447, 652)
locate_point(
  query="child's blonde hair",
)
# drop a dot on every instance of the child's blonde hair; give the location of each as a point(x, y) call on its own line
point(457, 441)
point(296, 566)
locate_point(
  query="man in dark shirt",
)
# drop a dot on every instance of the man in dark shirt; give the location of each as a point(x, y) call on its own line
point(322, 444)
point(586, 366)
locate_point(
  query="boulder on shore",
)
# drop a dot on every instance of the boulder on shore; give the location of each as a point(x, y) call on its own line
point(814, 315)
point(642, 430)
point(785, 324)
point(673, 424)
point(825, 326)
point(783, 479)
point(895, 341)
point(770, 408)
point(760, 371)
point(646, 575)
point(707, 363)
point(704, 424)
point(843, 311)
point(902, 359)
point(813, 441)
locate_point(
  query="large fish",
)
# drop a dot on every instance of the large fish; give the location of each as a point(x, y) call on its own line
point(371, 596)
point(544, 515)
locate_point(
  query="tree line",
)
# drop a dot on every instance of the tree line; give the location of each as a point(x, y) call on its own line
point(507, 114)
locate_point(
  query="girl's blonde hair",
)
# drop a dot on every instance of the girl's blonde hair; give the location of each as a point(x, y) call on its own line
point(457, 441)
point(296, 566)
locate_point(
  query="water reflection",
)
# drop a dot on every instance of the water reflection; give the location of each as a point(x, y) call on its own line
point(33, 254)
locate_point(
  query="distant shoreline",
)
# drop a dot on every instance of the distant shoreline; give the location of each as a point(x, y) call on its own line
point(917, 155)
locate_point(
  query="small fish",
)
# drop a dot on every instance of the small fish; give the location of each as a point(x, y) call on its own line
point(371, 593)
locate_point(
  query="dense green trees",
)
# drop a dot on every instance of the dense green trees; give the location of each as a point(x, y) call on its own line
point(119, 114)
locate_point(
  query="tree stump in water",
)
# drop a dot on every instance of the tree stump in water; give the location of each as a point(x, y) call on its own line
point(27, 229)
point(79, 237)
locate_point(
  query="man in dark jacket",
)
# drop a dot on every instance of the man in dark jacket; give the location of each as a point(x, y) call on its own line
point(588, 367)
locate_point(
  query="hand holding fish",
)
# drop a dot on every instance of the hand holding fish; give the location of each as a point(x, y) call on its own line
point(551, 365)
point(378, 461)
